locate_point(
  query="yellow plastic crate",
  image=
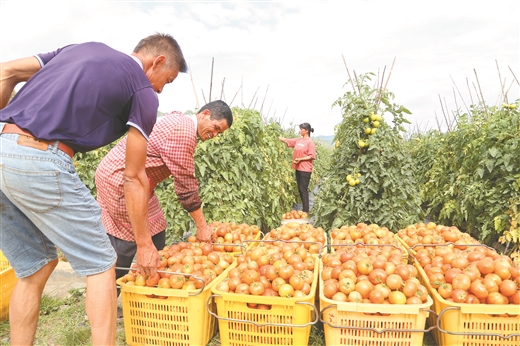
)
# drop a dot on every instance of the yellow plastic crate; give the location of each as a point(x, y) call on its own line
point(358, 323)
point(472, 324)
point(182, 319)
point(288, 322)
point(8, 280)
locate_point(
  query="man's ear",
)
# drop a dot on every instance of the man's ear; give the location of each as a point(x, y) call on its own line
point(161, 59)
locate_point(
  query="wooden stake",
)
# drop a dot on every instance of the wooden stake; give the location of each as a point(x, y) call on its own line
point(517, 82)
point(460, 95)
point(469, 89)
point(249, 107)
point(480, 89)
point(437, 120)
point(222, 90)
point(501, 84)
point(444, 114)
point(240, 88)
point(348, 72)
point(262, 107)
point(211, 79)
point(204, 97)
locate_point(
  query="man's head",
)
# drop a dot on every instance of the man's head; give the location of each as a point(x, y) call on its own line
point(212, 119)
point(163, 59)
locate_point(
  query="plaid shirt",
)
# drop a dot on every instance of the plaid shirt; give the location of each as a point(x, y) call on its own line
point(170, 151)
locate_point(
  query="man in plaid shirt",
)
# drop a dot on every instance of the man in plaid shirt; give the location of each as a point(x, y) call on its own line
point(170, 151)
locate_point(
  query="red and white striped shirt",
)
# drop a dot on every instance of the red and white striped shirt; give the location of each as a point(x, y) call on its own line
point(170, 151)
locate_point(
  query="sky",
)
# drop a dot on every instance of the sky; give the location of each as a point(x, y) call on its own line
point(288, 59)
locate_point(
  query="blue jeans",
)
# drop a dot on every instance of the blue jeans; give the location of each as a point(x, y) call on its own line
point(45, 205)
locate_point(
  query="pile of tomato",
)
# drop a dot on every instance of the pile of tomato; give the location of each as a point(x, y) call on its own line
point(471, 274)
point(295, 214)
point(362, 233)
point(377, 275)
point(185, 265)
point(311, 238)
point(431, 233)
point(230, 236)
point(272, 269)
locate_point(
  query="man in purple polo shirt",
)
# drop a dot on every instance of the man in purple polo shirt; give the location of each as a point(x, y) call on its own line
point(75, 99)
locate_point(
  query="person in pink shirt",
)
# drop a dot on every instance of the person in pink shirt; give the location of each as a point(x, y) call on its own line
point(304, 154)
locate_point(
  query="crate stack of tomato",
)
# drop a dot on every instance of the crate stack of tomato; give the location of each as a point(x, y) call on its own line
point(368, 266)
point(272, 269)
point(184, 265)
point(295, 214)
point(311, 238)
point(461, 269)
point(231, 236)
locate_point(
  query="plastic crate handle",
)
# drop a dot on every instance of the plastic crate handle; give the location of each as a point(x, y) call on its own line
point(468, 333)
point(381, 331)
point(208, 302)
point(173, 273)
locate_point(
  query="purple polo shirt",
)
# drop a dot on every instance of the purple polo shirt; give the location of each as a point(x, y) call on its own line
point(85, 95)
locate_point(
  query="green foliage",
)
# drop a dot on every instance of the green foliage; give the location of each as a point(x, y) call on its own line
point(473, 173)
point(387, 192)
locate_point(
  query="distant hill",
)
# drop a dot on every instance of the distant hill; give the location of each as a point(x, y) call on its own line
point(327, 139)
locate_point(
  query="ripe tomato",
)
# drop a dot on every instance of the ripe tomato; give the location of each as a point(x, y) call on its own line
point(461, 281)
point(286, 290)
point(364, 266)
point(257, 288)
point(496, 298)
point(364, 288)
point(397, 297)
point(409, 289)
point(445, 290)
point(377, 276)
point(394, 282)
point(479, 289)
point(508, 288)
point(347, 285)
point(376, 296)
point(459, 295)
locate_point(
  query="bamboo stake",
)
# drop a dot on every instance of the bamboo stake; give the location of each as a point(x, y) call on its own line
point(348, 72)
point(249, 107)
point(380, 88)
point(469, 89)
point(211, 79)
point(269, 111)
point(357, 83)
point(517, 82)
point(501, 84)
point(444, 114)
point(193, 85)
point(222, 90)
point(204, 97)
point(262, 107)
point(480, 89)
point(389, 74)
point(240, 88)
point(437, 120)
point(463, 102)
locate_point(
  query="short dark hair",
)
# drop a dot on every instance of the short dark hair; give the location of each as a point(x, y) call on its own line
point(163, 44)
point(307, 127)
point(219, 110)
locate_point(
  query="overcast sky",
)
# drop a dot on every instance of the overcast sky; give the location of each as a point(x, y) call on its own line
point(287, 55)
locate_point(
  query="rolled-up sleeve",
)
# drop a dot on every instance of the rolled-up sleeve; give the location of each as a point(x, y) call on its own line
point(177, 154)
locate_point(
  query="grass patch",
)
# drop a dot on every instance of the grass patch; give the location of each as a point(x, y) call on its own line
point(62, 322)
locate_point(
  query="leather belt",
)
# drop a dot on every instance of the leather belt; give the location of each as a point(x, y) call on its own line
point(29, 140)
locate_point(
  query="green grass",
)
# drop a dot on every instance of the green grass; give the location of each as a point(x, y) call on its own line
point(62, 322)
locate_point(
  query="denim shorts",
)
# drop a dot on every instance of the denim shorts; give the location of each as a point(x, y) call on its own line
point(45, 205)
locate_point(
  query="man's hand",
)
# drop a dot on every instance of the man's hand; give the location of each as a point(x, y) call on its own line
point(205, 234)
point(147, 260)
